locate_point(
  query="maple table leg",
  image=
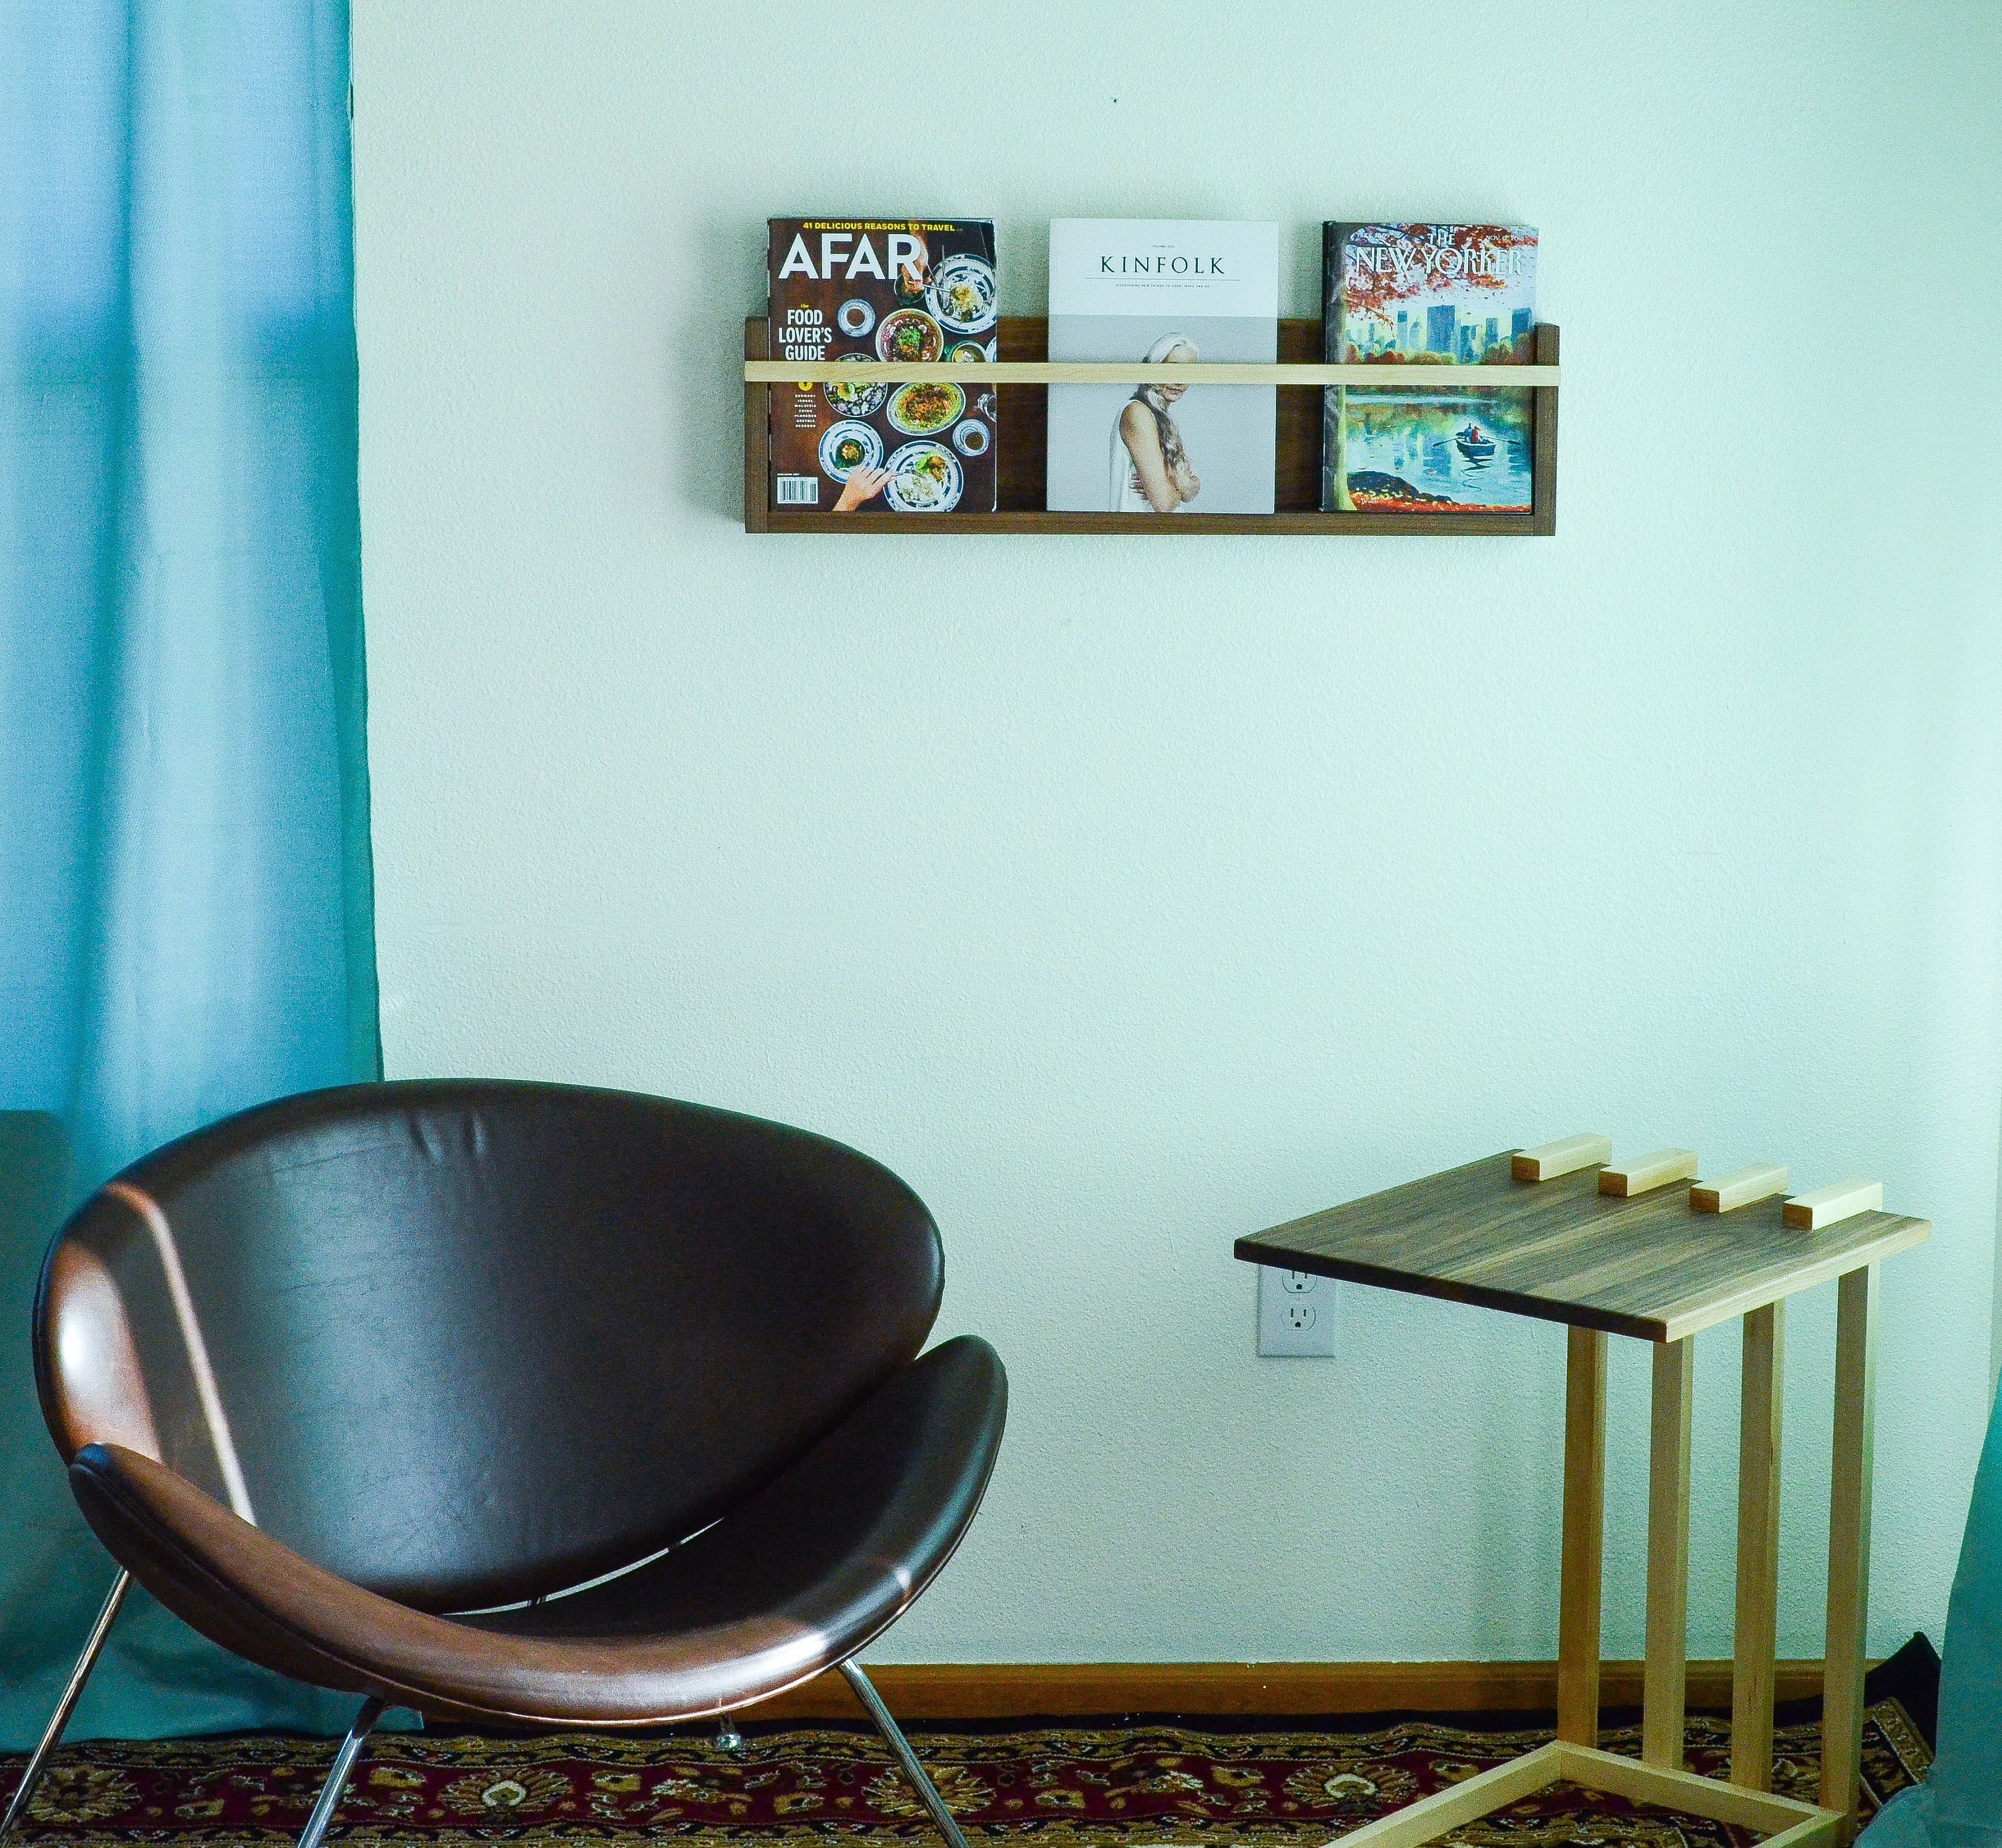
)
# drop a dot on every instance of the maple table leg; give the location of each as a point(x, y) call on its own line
point(1667, 1652)
point(1584, 1537)
point(1849, 1543)
point(1755, 1637)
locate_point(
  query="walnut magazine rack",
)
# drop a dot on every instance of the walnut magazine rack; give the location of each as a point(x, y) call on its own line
point(1022, 376)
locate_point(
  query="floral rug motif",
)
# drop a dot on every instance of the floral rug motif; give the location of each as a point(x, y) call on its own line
point(1112, 1786)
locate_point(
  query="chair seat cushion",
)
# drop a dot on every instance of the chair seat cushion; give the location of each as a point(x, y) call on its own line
point(794, 1580)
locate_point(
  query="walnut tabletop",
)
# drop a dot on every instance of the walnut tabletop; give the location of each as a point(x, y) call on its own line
point(1648, 1266)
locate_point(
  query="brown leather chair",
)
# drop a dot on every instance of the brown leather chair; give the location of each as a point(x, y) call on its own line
point(515, 1403)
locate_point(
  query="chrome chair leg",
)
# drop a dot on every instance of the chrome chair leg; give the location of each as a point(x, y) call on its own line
point(344, 1768)
point(52, 1734)
point(920, 1780)
point(728, 1737)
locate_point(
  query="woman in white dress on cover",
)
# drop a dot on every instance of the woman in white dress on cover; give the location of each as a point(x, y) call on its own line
point(1150, 468)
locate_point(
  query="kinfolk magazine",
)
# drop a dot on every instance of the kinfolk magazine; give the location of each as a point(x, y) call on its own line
point(1407, 295)
point(909, 289)
point(1162, 291)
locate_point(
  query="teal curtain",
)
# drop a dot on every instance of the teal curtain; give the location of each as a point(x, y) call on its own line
point(1960, 1804)
point(185, 911)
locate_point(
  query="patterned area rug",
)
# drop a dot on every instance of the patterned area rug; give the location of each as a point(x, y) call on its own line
point(1053, 1787)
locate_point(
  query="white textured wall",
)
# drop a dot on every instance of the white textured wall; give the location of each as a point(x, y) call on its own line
point(1128, 895)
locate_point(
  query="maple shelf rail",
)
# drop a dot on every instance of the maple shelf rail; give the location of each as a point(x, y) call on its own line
point(1092, 371)
point(1023, 373)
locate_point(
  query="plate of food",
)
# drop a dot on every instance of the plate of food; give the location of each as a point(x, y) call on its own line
point(922, 407)
point(924, 478)
point(971, 438)
point(909, 334)
point(864, 398)
point(967, 353)
point(848, 447)
point(961, 294)
point(855, 317)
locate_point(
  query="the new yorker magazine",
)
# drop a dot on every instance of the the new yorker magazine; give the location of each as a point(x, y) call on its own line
point(1404, 295)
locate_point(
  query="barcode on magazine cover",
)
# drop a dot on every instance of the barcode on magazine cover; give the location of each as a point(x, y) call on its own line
point(798, 490)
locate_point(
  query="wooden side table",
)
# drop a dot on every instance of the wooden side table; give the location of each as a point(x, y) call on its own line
point(1562, 1234)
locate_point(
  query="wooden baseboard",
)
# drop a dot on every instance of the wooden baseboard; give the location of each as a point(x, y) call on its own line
point(1006, 1691)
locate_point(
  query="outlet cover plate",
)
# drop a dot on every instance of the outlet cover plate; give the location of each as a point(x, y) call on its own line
point(1296, 1314)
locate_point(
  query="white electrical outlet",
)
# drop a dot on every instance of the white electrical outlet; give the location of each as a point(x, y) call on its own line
point(1296, 1313)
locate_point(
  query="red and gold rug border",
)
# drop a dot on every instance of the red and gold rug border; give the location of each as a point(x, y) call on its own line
point(1048, 1786)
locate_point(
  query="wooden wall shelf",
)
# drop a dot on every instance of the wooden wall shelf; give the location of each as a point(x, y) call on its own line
point(1023, 410)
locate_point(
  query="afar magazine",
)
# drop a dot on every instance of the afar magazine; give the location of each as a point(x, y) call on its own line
point(1162, 291)
point(916, 289)
point(1408, 295)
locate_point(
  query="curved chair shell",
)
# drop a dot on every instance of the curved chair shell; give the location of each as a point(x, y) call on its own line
point(820, 1560)
point(465, 1343)
point(515, 1402)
